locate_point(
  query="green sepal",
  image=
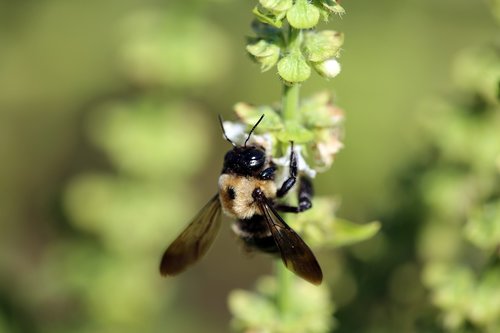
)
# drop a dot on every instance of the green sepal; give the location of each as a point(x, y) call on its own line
point(250, 114)
point(333, 7)
point(320, 46)
point(303, 15)
point(293, 68)
point(318, 111)
point(295, 132)
point(268, 18)
point(276, 6)
point(264, 52)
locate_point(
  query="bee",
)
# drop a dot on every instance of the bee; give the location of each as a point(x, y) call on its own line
point(248, 192)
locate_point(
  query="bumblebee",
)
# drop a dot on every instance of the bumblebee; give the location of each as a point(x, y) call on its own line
point(248, 193)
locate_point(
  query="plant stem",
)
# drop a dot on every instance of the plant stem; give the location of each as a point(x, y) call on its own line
point(284, 281)
point(290, 102)
point(290, 108)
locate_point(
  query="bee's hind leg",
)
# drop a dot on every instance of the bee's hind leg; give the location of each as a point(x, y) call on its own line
point(305, 195)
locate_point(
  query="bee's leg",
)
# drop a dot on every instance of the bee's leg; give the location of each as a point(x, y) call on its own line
point(290, 181)
point(267, 174)
point(306, 193)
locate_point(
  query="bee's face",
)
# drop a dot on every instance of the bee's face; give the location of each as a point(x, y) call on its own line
point(244, 160)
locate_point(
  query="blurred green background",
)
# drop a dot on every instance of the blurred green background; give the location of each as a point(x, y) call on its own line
point(109, 143)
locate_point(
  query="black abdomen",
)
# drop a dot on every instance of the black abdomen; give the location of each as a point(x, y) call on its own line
point(256, 235)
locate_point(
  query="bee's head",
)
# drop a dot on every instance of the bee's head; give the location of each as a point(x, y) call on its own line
point(243, 160)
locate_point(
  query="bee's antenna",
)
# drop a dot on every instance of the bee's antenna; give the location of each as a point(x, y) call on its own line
point(251, 131)
point(224, 131)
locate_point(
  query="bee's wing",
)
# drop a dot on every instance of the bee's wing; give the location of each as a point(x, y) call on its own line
point(295, 253)
point(194, 241)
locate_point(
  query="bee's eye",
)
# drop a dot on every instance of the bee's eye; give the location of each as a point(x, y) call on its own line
point(231, 193)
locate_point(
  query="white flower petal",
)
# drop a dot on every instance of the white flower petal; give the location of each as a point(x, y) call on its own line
point(235, 132)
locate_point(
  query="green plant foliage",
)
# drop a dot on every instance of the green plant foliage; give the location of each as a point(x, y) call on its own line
point(127, 212)
point(461, 266)
point(321, 228)
point(141, 137)
point(483, 227)
point(309, 309)
point(154, 52)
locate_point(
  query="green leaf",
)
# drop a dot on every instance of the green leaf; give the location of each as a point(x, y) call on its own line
point(347, 233)
point(293, 68)
point(250, 115)
point(303, 15)
point(320, 46)
point(320, 227)
point(295, 132)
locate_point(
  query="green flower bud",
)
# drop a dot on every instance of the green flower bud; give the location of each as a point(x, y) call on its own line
point(320, 46)
point(264, 52)
point(293, 68)
point(328, 69)
point(276, 6)
point(303, 15)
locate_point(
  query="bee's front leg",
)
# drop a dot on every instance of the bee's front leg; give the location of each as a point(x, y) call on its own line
point(305, 195)
point(290, 181)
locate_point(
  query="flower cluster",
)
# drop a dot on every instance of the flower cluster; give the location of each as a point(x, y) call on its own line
point(294, 55)
point(285, 37)
point(317, 133)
